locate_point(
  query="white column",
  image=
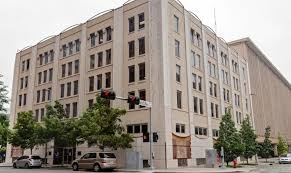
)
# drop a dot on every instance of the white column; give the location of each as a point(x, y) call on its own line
point(31, 82)
point(55, 85)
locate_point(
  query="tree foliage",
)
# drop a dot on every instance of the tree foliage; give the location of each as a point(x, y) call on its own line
point(100, 125)
point(266, 149)
point(249, 139)
point(229, 139)
point(282, 146)
point(3, 96)
point(26, 132)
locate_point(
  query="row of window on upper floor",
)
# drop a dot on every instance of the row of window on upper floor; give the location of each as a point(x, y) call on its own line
point(44, 95)
point(46, 58)
point(67, 69)
point(100, 34)
point(45, 76)
point(24, 82)
point(92, 62)
point(25, 65)
point(69, 89)
point(71, 48)
point(99, 83)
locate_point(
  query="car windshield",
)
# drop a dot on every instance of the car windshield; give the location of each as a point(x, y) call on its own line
point(107, 155)
point(35, 157)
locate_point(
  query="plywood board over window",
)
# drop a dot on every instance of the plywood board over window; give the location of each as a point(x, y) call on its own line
point(181, 147)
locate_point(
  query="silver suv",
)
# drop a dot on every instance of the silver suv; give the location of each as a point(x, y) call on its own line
point(27, 162)
point(95, 161)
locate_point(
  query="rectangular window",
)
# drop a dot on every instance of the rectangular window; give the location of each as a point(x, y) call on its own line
point(44, 76)
point(215, 133)
point(68, 109)
point(136, 128)
point(144, 128)
point(215, 90)
point(100, 34)
point(76, 66)
point(63, 70)
point(180, 128)
point(131, 49)
point(49, 94)
point(99, 81)
point(200, 83)
point(195, 104)
point(194, 81)
point(26, 82)
point(141, 67)
point(62, 90)
point(179, 99)
point(78, 44)
point(198, 61)
point(216, 111)
point(46, 58)
point(209, 68)
point(75, 109)
point(91, 83)
point(43, 95)
point(108, 56)
point(210, 88)
point(40, 59)
point(193, 58)
point(23, 66)
point(41, 114)
point(141, 49)
point(131, 24)
point(178, 73)
point(212, 109)
point(27, 64)
point(64, 47)
point(192, 35)
point(108, 33)
point(38, 96)
point(36, 115)
point(141, 21)
point(71, 47)
point(50, 74)
point(90, 103)
point(129, 129)
point(92, 61)
point(93, 39)
point(52, 54)
point(176, 24)
point(108, 80)
point(131, 105)
point(24, 99)
point(100, 59)
point(142, 95)
point(21, 83)
point(177, 48)
point(201, 106)
point(76, 87)
point(70, 68)
point(39, 77)
point(131, 74)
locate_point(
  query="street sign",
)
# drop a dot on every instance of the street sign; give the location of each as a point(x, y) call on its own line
point(145, 103)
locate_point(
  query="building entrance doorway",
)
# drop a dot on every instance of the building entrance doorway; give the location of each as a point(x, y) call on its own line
point(64, 155)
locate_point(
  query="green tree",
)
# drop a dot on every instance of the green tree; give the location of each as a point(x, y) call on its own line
point(266, 149)
point(229, 139)
point(3, 96)
point(249, 139)
point(101, 125)
point(282, 146)
point(25, 133)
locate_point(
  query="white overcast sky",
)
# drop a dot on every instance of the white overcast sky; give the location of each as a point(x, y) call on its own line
point(266, 22)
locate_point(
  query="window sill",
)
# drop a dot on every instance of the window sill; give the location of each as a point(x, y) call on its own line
point(68, 56)
point(141, 81)
point(181, 134)
point(68, 97)
point(38, 85)
point(39, 66)
point(45, 102)
point(101, 67)
point(201, 136)
point(66, 77)
point(98, 45)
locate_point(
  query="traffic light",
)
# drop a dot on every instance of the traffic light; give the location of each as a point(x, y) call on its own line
point(146, 137)
point(107, 94)
point(133, 99)
point(155, 137)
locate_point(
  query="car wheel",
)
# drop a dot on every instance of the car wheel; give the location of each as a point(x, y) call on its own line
point(14, 165)
point(96, 167)
point(75, 167)
point(26, 166)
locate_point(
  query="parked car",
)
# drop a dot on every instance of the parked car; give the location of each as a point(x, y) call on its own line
point(27, 162)
point(285, 158)
point(95, 161)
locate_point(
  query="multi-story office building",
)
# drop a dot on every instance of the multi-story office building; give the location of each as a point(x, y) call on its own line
point(155, 49)
point(270, 93)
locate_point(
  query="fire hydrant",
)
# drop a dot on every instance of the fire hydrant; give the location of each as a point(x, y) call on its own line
point(234, 163)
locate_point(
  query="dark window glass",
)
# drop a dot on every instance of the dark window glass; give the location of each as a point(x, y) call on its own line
point(70, 66)
point(24, 99)
point(131, 24)
point(201, 106)
point(179, 99)
point(195, 104)
point(75, 109)
point(92, 61)
point(131, 105)
point(141, 71)
point(142, 96)
point(178, 73)
point(62, 90)
point(68, 109)
point(144, 128)
point(90, 103)
point(108, 56)
point(177, 128)
point(106, 155)
point(92, 39)
point(141, 21)
point(136, 128)
point(91, 83)
point(21, 83)
point(43, 95)
point(131, 74)
point(69, 86)
point(131, 49)
point(36, 115)
point(27, 64)
point(108, 33)
point(78, 44)
point(64, 47)
point(76, 87)
point(38, 96)
point(100, 34)
point(76, 66)
point(129, 129)
point(52, 54)
point(40, 59)
point(99, 81)
point(44, 76)
point(50, 74)
point(100, 59)
point(41, 114)
point(108, 80)
point(141, 42)
point(46, 58)
point(63, 70)
point(39, 77)
point(49, 94)
point(71, 47)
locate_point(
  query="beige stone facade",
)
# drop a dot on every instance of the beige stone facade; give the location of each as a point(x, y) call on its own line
point(270, 92)
point(155, 49)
